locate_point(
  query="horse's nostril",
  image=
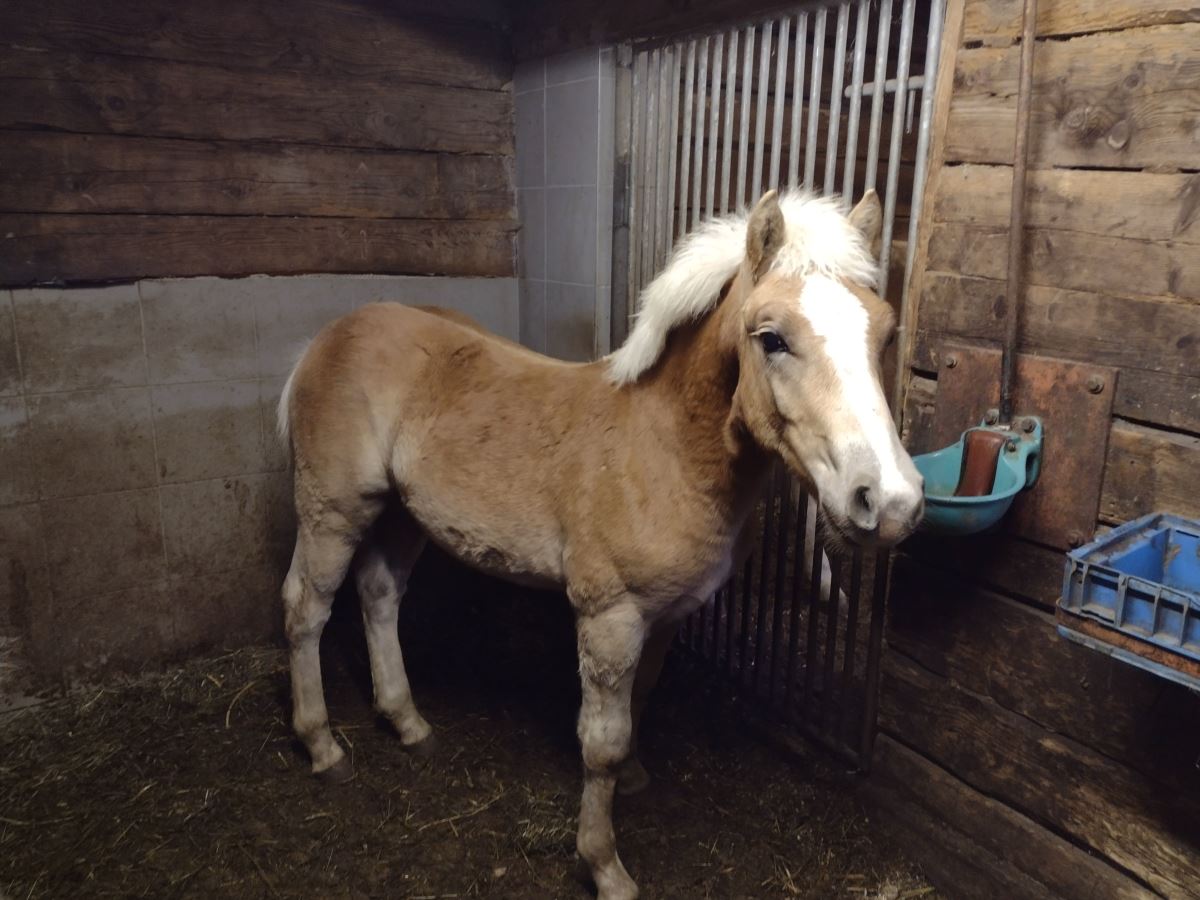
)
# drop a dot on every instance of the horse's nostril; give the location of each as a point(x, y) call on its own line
point(863, 499)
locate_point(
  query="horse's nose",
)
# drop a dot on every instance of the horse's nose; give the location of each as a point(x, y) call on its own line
point(901, 515)
point(864, 506)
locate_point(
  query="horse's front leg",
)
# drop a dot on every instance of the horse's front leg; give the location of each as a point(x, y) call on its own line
point(610, 645)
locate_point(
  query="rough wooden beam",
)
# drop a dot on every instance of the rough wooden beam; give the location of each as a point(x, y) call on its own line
point(991, 19)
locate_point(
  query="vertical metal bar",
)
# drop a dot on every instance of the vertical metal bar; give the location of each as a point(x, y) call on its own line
point(797, 100)
point(637, 148)
point(731, 92)
point(731, 626)
point(718, 609)
point(928, 87)
point(851, 638)
point(760, 618)
point(714, 125)
point(814, 99)
point(650, 169)
point(747, 93)
point(785, 494)
point(698, 137)
point(747, 591)
point(883, 36)
point(781, 61)
point(685, 156)
point(835, 98)
point(798, 551)
point(814, 612)
point(874, 650)
point(760, 113)
point(893, 173)
point(668, 106)
point(856, 91)
point(831, 628)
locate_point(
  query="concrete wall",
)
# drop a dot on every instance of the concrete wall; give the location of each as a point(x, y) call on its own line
point(145, 505)
point(564, 134)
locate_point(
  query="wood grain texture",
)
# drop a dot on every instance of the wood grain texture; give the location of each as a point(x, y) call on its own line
point(1001, 562)
point(1012, 654)
point(1150, 471)
point(74, 173)
point(154, 98)
point(1118, 100)
point(1096, 802)
point(990, 19)
point(373, 40)
point(935, 812)
point(46, 248)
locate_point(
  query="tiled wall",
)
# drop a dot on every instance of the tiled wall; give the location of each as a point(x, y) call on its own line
point(564, 109)
point(145, 503)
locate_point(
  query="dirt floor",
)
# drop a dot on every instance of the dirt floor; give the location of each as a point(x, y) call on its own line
point(189, 783)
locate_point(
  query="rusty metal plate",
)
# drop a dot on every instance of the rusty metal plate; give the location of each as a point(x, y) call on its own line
point(1074, 401)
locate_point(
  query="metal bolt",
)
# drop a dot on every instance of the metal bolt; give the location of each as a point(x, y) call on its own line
point(1075, 539)
point(1011, 446)
point(1095, 384)
point(1029, 426)
point(992, 416)
point(951, 361)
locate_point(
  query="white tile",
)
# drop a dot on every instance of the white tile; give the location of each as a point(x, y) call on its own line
point(533, 315)
point(570, 321)
point(531, 139)
point(571, 235)
point(531, 241)
point(197, 329)
point(571, 128)
point(573, 65)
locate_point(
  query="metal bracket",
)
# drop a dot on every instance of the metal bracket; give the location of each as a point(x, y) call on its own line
point(1074, 402)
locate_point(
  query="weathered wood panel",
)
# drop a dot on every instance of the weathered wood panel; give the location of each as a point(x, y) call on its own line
point(935, 813)
point(990, 19)
point(1150, 470)
point(1099, 803)
point(1011, 653)
point(127, 95)
point(42, 248)
point(1071, 259)
point(1119, 100)
point(1002, 562)
point(381, 42)
point(73, 173)
point(1144, 206)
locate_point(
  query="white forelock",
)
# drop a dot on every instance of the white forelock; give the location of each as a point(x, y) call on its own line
point(819, 240)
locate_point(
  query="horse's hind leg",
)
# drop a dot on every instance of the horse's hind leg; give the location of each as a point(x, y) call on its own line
point(324, 546)
point(632, 776)
point(381, 571)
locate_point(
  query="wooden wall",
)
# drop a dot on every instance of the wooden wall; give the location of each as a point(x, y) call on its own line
point(1017, 764)
point(229, 137)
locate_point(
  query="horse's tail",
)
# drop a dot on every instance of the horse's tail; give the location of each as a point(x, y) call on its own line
point(282, 413)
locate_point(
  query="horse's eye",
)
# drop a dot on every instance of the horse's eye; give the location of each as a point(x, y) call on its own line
point(772, 343)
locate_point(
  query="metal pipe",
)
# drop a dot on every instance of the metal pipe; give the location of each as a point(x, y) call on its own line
point(835, 98)
point(650, 195)
point(915, 83)
point(883, 36)
point(785, 495)
point(760, 617)
point(730, 96)
point(855, 93)
point(714, 124)
point(798, 551)
point(850, 641)
point(814, 99)
point(698, 138)
point(1016, 228)
point(760, 115)
point(781, 57)
point(893, 172)
point(689, 89)
point(797, 99)
point(874, 650)
point(744, 122)
point(670, 146)
point(636, 184)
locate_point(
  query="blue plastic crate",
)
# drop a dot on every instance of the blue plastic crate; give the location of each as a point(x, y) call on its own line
point(1135, 594)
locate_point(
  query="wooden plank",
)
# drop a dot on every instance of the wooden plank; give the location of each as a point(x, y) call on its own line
point(1094, 801)
point(1012, 653)
point(1156, 397)
point(381, 42)
point(1149, 471)
point(999, 561)
point(74, 173)
point(125, 95)
point(48, 248)
point(1140, 205)
point(977, 846)
point(918, 414)
point(1113, 99)
point(990, 19)
point(1138, 332)
point(1071, 259)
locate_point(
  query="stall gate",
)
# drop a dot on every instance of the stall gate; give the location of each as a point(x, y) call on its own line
point(832, 97)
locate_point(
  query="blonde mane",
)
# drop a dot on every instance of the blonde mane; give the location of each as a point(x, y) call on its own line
point(820, 239)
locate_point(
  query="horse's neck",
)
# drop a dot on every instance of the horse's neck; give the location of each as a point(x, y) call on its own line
point(696, 379)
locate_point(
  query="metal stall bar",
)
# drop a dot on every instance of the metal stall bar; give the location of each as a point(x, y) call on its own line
point(850, 640)
point(883, 36)
point(856, 93)
point(781, 547)
point(670, 147)
point(781, 59)
point(797, 100)
point(744, 124)
point(730, 96)
point(637, 143)
point(714, 121)
point(835, 98)
point(893, 172)
point(650, 194)
point(689, 91)
point(698, 140)
point(760, 617)
point(814, 99)
point(760, 113)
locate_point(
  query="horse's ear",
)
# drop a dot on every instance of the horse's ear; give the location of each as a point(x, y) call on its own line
point(867, 217)
point(765, 234)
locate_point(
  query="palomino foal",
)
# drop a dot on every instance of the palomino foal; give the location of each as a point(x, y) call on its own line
point(627, 481)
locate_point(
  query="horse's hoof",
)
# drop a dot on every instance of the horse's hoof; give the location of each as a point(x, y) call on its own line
point(632, 779)
point(339, 773)
point(425, 748)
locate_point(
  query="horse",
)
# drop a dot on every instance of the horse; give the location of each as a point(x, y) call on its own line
point(627, 482)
